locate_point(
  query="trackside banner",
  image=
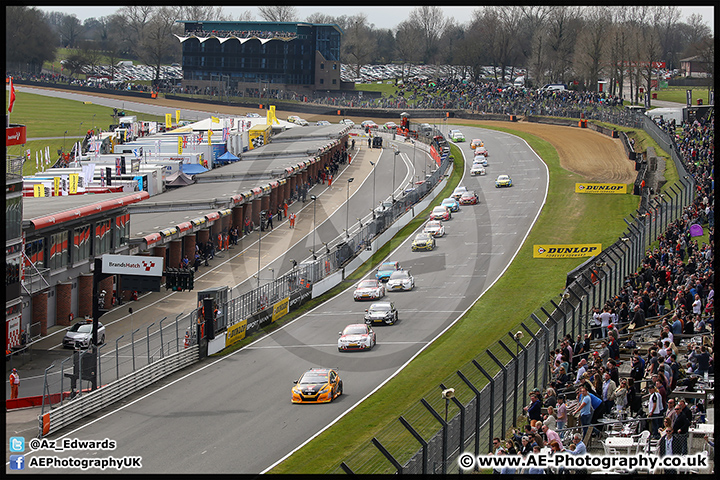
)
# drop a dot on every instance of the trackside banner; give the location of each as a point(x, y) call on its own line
point(566, 251)
point(600, 188)
point(235, 333)
point(281, 308)
point(132, 265)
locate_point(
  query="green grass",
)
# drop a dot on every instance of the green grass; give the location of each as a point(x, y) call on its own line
point(566, 218)
point(677, 94)
point(51, 118)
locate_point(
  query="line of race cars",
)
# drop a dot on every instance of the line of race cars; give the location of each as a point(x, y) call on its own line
point(322, 385)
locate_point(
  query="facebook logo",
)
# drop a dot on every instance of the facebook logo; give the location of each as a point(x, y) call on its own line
point(17, 444)
point(17, 462)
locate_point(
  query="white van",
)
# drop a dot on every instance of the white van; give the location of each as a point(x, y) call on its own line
point(519, 82)
point(554, 87)
point(125, 63)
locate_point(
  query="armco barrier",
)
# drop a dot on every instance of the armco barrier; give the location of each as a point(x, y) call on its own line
point(102, 397)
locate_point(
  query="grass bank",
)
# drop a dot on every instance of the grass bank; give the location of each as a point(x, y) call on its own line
point(527, 284)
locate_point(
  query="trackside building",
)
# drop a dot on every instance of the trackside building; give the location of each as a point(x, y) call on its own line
point(260, 57)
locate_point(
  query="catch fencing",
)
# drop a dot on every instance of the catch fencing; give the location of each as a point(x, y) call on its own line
point(491, 390)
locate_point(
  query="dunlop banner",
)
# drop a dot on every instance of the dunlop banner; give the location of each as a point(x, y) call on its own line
point(235, 333)
point(600, 188)
point(281, 308)
point(566, 251)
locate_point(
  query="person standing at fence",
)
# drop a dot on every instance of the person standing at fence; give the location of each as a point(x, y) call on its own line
point(654, 409)
point(14, 384)
point(561, 412)
point(583, 409)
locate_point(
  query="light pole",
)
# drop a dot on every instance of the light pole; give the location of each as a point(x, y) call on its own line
point(347, 207)
point(416, 175)
point(373, 203)
point(313, 198)
point(392, 193)
point(259, 242)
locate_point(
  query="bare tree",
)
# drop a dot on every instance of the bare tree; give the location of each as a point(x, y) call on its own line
point(530, 43)
point(279, 13)
point(159, 44)
point(589, 50)
point(407, 38)
point(431, 22)
point(202, 13)
point(359, 43)
point(560, 32)
point(70, 30)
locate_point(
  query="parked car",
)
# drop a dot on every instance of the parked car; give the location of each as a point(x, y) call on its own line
point(80, 335)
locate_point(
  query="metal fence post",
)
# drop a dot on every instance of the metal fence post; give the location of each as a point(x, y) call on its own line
point(443, 423)
point(420, 439)
point(117, 357)
point(546, 349)
point(162, 347)
point(491, 415)
point(504, 390)
point(147, 338)
point(477, 410)
point(132, 345)
point(517, 374)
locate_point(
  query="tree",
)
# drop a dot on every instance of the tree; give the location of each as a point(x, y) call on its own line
point(590, 47)
point(359, 43)
point(159, 44)
point(29, 39)
point(560, 34)
point(279, 13)
point(70, 30)
point(407, 38)
point(431, 23)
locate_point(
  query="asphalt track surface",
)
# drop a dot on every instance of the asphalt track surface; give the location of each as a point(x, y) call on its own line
point(234, 415)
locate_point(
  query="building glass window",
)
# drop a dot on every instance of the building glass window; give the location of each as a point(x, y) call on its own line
point(81, 243)
point(122, 229)
point(13, 218)
point(35, 253)
point(59, 253)
point(103, 236)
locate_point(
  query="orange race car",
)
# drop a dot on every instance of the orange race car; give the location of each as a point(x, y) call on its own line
point(317, 385)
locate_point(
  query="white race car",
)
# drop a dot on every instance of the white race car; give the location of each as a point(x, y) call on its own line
point(401, 280)
point(358, 336)
point(477, 169)
point(434, 228)
point(369, 290)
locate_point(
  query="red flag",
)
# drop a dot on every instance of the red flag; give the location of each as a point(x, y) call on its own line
point(12, 95)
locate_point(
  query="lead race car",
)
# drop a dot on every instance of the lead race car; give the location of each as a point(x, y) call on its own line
point(317, 385)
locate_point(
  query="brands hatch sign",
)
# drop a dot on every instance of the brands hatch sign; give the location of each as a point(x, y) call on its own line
point(132, 265)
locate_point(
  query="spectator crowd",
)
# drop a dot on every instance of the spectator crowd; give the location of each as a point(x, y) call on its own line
point(669, 305)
